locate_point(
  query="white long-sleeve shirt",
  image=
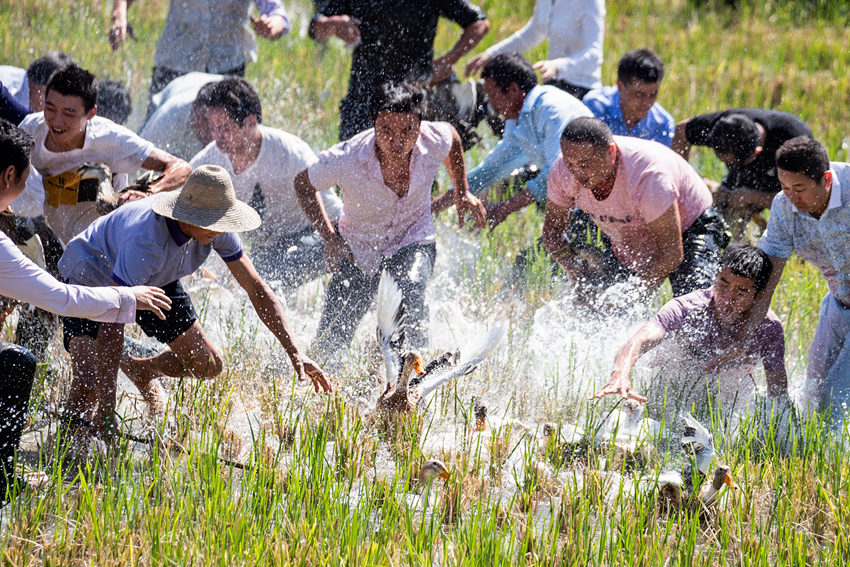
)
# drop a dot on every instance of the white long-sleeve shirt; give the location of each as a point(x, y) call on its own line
point(21, 279)
point(575, 30)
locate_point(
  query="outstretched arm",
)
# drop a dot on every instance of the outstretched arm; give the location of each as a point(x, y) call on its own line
point(308, 197)
point(174, 170)
point(271, 314)
point(471, 36)
point(646, 339)
point(465, 202)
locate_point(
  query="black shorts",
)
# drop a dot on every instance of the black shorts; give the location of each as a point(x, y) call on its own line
point(176, 322)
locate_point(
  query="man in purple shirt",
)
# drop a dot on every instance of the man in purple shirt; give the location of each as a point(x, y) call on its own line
point(705, 321)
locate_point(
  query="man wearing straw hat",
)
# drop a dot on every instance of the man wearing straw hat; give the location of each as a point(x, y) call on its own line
point(158, 241)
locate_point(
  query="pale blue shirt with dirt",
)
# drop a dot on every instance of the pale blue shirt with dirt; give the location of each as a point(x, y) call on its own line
point(533, 138)
point(824, 243)
point(658, 125)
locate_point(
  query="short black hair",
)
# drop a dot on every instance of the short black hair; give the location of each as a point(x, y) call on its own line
point(237, 97)
point(113, 101)
point(399, 97)
point(588, 131)
point(736, 134)
point(803, 155)
point(205, 95)
point(15, 147)
point(746, 261)
point(510, 68)
point(640, 65)
point(74, 81)
point(41, 69)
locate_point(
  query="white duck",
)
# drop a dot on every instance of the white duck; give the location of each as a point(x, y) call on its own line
point(403, 395)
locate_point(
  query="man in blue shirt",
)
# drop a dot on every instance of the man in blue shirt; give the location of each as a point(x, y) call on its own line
point(162, 239)
point(536, 115)
point(630, 108)
point(811, 218)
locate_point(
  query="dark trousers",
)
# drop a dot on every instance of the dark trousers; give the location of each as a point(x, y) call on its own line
point(703, 243)
point(17, 372)
point(575, 90)
point(354, 115)
point(350, 294)
point(293, 260)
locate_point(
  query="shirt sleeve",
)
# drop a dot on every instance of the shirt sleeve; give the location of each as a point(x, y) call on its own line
point(596, 101)
point(462, 12)
point(699, 127)
point(10, 108)
point(772, 345)
point(778, 237)
point(497, 164)
point(228, 246)
point(666, 127)
point(21, 279)
point(129, 271)
point(655, 193)
point(671, 317)
point(328, 169)
point(524, 39)
point(129, 151)
point(589, 59)
point(560, 187)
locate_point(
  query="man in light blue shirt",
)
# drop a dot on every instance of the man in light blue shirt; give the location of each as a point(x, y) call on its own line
point(536, 116)
point(811, 217)
point(630, 108)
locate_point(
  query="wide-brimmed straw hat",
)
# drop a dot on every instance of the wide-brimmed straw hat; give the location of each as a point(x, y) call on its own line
point(208, 200)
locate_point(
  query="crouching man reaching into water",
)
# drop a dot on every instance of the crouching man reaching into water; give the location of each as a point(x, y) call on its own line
point(385, 175)
point(21, 279)
point(698, 325)
point(652, 206)
point(157, 241)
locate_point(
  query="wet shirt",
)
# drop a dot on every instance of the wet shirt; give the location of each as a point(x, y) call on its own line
point(170, 126)
point(824, 243)
point(135, 246)
point(268, 184)
point(690, 322)
point(658, 125)
point(66, 209)
point(650, 178)
point(21, 279)
point(396, 37)
point(532, 138)
point(760, 174)
point(376, 223)
point(575, 30)
point(212, 36)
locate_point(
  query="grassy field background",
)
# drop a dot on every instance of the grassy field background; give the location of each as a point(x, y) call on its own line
point(325, 487)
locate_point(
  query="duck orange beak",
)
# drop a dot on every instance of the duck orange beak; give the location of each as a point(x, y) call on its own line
point(445, 475)
point(727, 480)
point(417, 367)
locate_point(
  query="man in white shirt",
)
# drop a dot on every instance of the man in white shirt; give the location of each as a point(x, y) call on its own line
point(21, 279)
point(69, 134)
point(263, 163)
point(178, 122)
point(28, 85)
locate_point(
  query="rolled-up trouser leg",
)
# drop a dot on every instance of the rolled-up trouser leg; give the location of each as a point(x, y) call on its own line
point(412, 267)
point(828, 373)
point(348, 297)
point(17, 372)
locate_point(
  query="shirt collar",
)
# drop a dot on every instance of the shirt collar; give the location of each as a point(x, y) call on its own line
point(531, 99)
point(834, 193)
point(176, 234)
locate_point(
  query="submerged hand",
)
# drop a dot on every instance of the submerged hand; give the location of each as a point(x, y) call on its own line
point(151, 299)
point(305, 367)
point(548, 70)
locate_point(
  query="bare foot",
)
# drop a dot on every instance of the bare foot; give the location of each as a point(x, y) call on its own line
point(152, 391)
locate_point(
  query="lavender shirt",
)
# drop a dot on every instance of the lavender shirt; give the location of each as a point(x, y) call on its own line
point(135, 246)
point(689, 321)
point(376, 223)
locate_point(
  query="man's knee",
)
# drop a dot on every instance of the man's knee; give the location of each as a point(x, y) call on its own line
point(207, 364)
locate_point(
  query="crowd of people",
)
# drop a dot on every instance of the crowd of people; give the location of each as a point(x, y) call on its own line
point(601, 160)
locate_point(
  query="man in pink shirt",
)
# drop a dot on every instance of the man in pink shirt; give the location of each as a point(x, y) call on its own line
point(21, 279)
point(652, 206)
point(385, 175)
